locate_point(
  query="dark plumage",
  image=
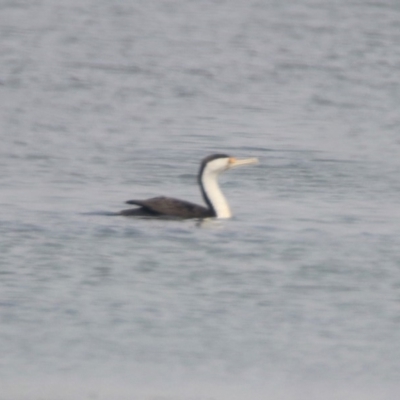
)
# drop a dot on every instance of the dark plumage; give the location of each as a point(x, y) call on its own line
point(167, 206)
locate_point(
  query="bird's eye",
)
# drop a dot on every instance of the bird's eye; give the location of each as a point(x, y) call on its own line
point(232, 160)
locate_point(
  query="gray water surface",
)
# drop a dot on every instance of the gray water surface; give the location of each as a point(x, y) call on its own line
point(296, 297)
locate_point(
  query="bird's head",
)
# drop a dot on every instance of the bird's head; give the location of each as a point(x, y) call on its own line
point(217, 163)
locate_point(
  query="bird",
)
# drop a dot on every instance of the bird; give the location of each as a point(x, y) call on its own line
point(207, 178)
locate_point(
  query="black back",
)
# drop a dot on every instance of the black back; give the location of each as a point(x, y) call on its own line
point(167, 206)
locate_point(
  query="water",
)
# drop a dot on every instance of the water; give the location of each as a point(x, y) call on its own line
point(296, 297)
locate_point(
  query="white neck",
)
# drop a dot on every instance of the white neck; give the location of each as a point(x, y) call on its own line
point(214, 194)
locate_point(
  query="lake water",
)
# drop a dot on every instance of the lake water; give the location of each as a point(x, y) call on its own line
point(296, 297)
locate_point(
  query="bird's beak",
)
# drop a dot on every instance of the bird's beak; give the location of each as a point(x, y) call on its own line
point(234, 162)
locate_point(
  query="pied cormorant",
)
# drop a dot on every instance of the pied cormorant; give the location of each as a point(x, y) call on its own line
point(217, 206)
